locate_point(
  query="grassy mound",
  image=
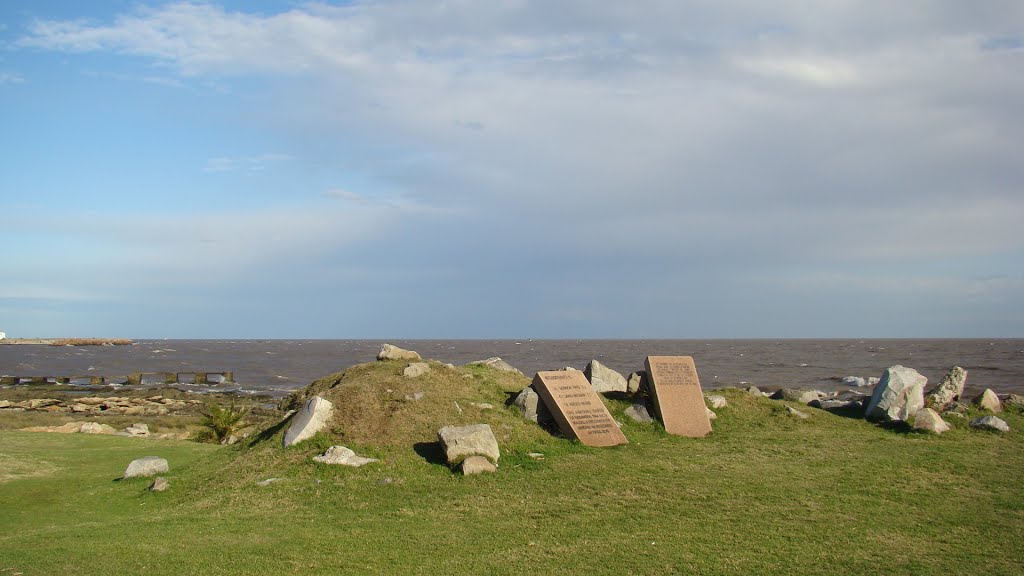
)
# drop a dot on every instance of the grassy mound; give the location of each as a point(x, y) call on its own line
point(375, 405)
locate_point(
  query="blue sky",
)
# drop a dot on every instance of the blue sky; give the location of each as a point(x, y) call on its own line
point(512, 169)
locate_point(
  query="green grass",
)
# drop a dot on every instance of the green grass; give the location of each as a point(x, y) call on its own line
point(765, 493)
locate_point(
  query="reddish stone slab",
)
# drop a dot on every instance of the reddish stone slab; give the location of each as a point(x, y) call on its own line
point(577, 408)
point(678, 399)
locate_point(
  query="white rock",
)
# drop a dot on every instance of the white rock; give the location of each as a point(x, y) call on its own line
point(711, 414)
point(268, 481)
point(604, 379)
point(310, 419)
point(96, 428)
point(990, 423)
point(148, 466)
point(343, 456)
point(988, 400)
point(391, 352)
point(159, 484)
point(416, 369)
point(853, 381)
point(898, 396)
point(635, 381)
point(461, 442)
point(930, 421)
point(717, 401)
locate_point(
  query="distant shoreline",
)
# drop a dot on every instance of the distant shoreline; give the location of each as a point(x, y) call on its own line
point(66, 341)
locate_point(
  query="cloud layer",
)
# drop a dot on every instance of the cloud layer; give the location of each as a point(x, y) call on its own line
point(643, 169)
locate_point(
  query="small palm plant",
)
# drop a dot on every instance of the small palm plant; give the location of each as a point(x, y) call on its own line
point(222, 422)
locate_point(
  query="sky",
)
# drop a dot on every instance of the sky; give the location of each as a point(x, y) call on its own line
point(512, 169)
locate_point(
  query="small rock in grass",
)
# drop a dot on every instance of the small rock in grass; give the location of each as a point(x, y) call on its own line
point(535, 455)
point(1014, 401)
point(755, 391)
point(482, 405)
point(497, 364)
point(343, 456)
point(792, 395)
point(717, 401)
point(794, 412)
point(311, 419)
point(148, 466)
point(96, 428)
point(638, 412)
point(532, 407)
point(990, 423)
point(159, 484)
point(416, 369)
point(988, 400)
point(461, 442)
point(477, 465)
point(268, 481)
point(928, 420)
point(415, 396)
point(138, 429)
point(711, 415)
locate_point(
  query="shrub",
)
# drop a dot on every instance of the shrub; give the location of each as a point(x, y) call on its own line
point(222, 422)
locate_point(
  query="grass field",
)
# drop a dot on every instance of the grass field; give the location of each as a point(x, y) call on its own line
point(765, 493)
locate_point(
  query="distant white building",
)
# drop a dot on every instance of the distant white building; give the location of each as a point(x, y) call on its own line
point(3, 335)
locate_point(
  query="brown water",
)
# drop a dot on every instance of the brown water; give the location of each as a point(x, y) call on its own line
point(278, 366)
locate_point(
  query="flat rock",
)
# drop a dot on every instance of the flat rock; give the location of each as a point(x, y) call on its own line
point(477, 465)
point(461, 442)
point(391, 352)
point(96, 428)
point(528, 402)
point(416, 369)
point(638, 413)
point(343, 456)
point(497, 364)
point(948, 391)
point(269, 481)
point(990, 423)
point(928, 420)
point(148, 466)
point(794, 395)
point(138, 429)
point(898, 396)
point(988, 400)
point(309, 420)
point(604, 379)
point(715, 401)
point(159, 484)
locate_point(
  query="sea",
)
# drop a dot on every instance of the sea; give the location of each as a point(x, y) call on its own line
point(277, 367)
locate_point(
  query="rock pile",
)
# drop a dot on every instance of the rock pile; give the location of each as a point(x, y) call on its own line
point(151, 406)
point(474, 444)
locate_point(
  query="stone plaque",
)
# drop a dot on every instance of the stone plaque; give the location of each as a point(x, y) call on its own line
point(577, 408)
point(678, 399)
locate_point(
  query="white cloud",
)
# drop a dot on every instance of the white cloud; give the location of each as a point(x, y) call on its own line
point(251, 164)
point(11, 78)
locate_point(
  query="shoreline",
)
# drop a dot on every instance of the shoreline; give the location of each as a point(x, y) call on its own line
point(66, 342)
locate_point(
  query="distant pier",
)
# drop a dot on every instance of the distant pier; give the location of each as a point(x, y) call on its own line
point(136, 379)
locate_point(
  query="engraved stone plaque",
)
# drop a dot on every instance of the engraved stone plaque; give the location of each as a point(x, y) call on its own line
point(678, 399)
point(577, 408)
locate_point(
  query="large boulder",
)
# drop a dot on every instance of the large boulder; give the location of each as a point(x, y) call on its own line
point(928, 420)
point(148, 466)
point(988, 400)
point(461, 442)
point(604, 379)
point(311, 418)
point(949, 390)
point(533, 408)
point(990, 423)
point(391, 352)
point(898, 396)
point(497, 364)
point(343, 456)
